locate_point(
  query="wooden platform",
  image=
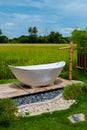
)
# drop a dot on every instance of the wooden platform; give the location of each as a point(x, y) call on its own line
point(18, 89)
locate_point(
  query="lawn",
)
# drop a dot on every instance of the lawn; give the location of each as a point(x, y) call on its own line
point(57, 120)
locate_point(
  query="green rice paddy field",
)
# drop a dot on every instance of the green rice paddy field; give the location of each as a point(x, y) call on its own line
point(31, 54)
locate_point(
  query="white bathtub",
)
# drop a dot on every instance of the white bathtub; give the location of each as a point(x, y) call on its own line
point(38, 75)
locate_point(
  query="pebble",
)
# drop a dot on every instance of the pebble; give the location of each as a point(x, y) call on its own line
point(57, 103)
point(38, 97)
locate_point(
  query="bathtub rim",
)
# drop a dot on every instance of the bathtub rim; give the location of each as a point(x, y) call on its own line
point(40, 66)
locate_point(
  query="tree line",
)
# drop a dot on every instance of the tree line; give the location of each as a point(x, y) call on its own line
point(52, 37)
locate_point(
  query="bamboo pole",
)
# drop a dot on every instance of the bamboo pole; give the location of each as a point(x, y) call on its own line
point(70, 58)
point(62, 48)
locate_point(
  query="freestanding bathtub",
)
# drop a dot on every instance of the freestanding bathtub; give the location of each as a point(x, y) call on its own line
point(38, 75)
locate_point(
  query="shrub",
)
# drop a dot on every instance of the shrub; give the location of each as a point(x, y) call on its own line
point(73, 91)
point(80, 38)
point(7, 111)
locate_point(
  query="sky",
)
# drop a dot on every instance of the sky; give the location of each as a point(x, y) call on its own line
point(63, 16)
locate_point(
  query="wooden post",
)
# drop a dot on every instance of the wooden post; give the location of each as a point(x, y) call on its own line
point(70, 60)
point(84, 64)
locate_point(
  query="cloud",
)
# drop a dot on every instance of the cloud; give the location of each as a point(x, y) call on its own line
point(9, 24)
point(75, 6)
point(17, 24)
point(66, 31)
point(27, 3)
point(17, 16)
point(27, 17)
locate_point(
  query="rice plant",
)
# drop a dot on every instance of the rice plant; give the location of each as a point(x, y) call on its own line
point(30, 54)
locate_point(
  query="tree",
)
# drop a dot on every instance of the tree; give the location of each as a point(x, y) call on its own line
point(0, 32)
point(55, 37)
point(32, 30)
point(80, 38)
point(42, 39)
point(35, 30)
point(33, 37)
point(23, 39)
point(4, 39)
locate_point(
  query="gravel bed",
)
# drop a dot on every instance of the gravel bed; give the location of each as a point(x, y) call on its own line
point(57, 103)
point(39, 97)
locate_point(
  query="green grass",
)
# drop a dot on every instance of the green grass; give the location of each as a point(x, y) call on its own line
point(73, 91)
point(57, 120)
point(30, 54)
point(6, 81)
point(39, 54)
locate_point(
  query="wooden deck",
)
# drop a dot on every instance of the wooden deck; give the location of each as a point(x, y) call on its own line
point(18, 89)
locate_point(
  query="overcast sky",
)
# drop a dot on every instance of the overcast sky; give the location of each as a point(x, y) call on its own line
point(16, 16)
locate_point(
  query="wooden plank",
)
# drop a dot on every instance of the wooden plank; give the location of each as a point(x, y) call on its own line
point(14, 90)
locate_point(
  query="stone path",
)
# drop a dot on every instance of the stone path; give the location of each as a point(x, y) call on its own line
point(58, 103)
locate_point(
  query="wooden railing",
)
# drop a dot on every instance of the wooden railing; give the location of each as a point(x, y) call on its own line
point(82, 61)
